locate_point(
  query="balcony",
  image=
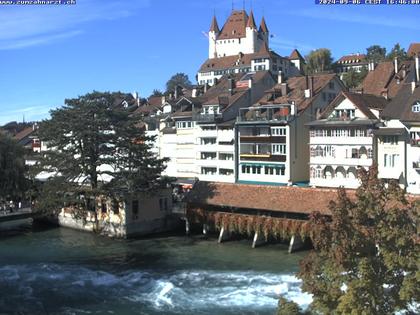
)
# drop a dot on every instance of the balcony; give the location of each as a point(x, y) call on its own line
point(207, 118)
point(264, 114)
point(416, 166)
point(263, 139)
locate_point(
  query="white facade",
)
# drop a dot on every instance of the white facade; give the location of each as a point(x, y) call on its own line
point(215, 155)
point(338, 147)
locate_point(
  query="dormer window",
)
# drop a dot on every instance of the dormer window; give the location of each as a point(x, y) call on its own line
point(416, 107)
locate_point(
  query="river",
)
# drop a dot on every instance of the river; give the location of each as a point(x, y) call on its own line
point(61, 271)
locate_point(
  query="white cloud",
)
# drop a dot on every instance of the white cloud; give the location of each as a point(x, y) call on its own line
point(289, 45)
point(35, 25)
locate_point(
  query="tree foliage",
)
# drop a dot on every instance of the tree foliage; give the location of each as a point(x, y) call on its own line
point(318, 60)
point(397, 52)
point(96, 148)
point(286, 307)
point(13, 183)
point(375, 53)
point(180, 79)
point(366, 258)
point(157, 92)
point(353, 79)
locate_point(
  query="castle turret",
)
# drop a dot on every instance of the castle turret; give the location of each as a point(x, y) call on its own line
point(251, 34)
point(263, 30)
point(213, 33)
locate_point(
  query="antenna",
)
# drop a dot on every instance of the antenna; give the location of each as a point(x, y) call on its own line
point(244, 5)
point(233, 5)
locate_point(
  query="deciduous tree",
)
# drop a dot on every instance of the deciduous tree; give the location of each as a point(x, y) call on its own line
point(318, 61)
point(397, 52)
point(353, 79)
point(366, 257)
point(375, 53)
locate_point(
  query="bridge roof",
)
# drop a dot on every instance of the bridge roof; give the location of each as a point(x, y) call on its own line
point(257, 197)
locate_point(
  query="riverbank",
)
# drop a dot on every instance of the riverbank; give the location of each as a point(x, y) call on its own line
point(64, 271)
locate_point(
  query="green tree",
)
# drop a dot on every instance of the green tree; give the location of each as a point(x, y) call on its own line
point(318, 60)
point(375, 53)
point(180, 79)
point(397, 52)
point(353, 79)
point(13, 183)
point(366, 258)
point(157, 92)
point(286, 307)
point(95, 149)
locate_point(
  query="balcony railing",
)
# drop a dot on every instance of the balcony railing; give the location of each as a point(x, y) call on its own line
point(264, 114)
point(207, 118)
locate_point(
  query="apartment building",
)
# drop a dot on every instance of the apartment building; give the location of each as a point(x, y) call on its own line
point(354, 62)
point(398, 141)
point(342, 140)
point(272, 138)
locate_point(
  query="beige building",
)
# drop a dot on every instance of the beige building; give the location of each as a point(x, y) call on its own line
point(272, 136)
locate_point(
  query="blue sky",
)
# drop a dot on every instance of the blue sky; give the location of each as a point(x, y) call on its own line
point(49, 53)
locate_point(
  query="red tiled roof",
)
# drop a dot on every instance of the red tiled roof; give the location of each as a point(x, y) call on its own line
point(295, 55)
point(251, 21)
point(383, 79)
point(355, 58)
point(258, 197)
point(413, 49)
point(235, 26)
point(24, 133)
point(364, 102)
point(263, 26)
point(296, 87)
point(214, 26)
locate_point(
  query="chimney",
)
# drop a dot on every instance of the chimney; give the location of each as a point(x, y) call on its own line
point(250, 83)
point(231, 86)
point(280, 77)
point(194, 92)
point(396, 65)
point(413, 86)
point(371, 66)
point(417, 69)
point(283, 87)
point(205, 87)
point(163, 100)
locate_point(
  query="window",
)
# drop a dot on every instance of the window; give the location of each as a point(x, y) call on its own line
point(390, 160)
point(103, 206)
point(208, 141)
point(256, 169)
point(278, 149)
point(208, 170)
point(163, 204)
point(225, 171)
point(416, 107)
point(331, 85)
point(135, 209)
point(274, 170)
point(278, 131)
point(208, 155)
point(184, 124)
point(226, 156)
point(390, 139)
point(115, 206)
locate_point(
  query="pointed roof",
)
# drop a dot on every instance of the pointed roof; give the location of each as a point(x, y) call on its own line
point(251, 21)
point(235, 26)
point(295, 55)
point(263, 26)
point(214, 26)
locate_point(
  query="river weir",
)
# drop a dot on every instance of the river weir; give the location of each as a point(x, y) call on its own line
point(61, 271)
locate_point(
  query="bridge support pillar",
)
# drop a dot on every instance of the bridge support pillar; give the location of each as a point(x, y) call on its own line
point(296, 243)
point(223, 236)
point(187, 227)
point(206, 229)
point(258, 240)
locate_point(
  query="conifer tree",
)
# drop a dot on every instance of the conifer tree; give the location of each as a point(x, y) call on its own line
point(95, 148)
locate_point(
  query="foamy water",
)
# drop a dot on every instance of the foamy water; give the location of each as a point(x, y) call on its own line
point(62, 271)
point(187, 292)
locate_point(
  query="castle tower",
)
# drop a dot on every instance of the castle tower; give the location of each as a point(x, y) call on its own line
point(251, 35)
point(263, 31)
point(213, 34)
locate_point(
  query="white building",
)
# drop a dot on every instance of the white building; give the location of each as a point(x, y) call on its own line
point(239, 47)
point(398, 141)
point(354, 62)
point(342, 139)
point(272, 139)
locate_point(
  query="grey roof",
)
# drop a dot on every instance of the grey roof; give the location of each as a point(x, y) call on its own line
point(337, 122)
point(389, 131)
